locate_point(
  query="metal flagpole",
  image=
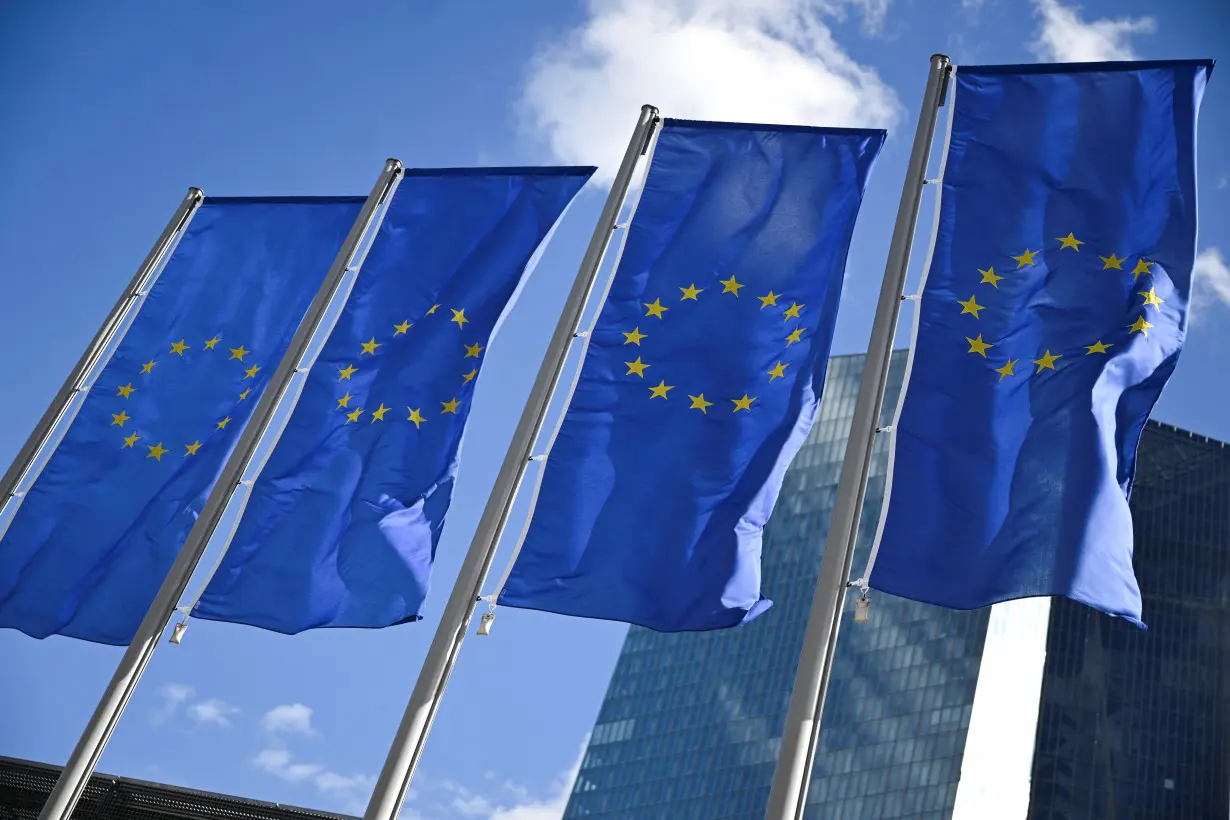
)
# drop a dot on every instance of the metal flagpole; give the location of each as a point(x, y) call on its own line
point(790, 780)
point(81, 763)
point(76, 381)
point(411, 735)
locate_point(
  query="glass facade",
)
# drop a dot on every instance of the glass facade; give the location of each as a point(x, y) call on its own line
point(1134, 724)
point(692, 722)
point(1040, 709)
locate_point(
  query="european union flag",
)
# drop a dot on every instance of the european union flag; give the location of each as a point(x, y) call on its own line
point(701, 380)
point(1052, 315)
point(342, 525)
point(98, 531)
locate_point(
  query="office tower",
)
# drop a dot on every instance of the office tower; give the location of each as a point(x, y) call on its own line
point(934, 713)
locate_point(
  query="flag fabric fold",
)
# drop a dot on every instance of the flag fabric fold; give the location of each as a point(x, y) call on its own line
point(342, 524)
point(1053, 312)
point(93, 539)
point(700, 381)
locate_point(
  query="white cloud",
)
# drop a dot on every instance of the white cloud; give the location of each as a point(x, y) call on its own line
point(212, 712)
point(173, 695)
point(1211, 281)
point(1065, 37)
point(348, 791)
point(525, 807)
point(747, 60)
point(1223, 182)
point(288, 718)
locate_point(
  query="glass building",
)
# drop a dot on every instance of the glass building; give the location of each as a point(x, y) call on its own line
point(934, 713)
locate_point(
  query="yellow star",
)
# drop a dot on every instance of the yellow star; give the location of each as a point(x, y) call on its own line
point(796, 336)
point(118, 419)
point(369, 347)
point(192, 448)
point(179, 347)
point(1141, 325)
point(1112, 262)
point(148, 367)
point(378, 413)
point(239, 352)
point(346, 372)
point(210, 344)
point(730, 285)
point(691, 292)
point(416, 417)
point(744, 403)
point(792, 312)
point(450, 406)
point(778, 372)
point(1151, 298)
point(634, 338)
point(655, 308)
point(978, 346)
point(157, 451)
point(472, 351)
point(251, 372)
point(126, 390)
point(989, 277)
point(1097, 348)
point(637, 367)
point(469, 377)
point(344, 401)
point(1024, 259)
point(244, 394)
point(1047, 361)
point(432, 309)
point(1072, 242)
point(1141, 267)
point(459, 316)
point(1006, 370)
point(699, 403)
point(659, 392)
point(131, 440)
point(354, 415)
point(971, 306)
point(769, 298)
point(402, 328)
point(222, 424)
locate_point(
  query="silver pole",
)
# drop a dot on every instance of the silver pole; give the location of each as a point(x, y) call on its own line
point(76, 381)
point(411, 736)
point(788, 797)
point(76, 773)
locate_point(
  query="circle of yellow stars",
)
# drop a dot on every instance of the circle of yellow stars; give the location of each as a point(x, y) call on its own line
point(177, 349)
point(355, 414)
point(731, 286)
point(978, 346)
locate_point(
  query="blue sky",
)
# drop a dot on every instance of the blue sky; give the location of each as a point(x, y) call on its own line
point(111, 111)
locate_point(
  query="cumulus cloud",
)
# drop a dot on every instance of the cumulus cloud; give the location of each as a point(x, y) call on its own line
point(1211, 281)
point(744, 60)
point(173, 696)
point(1064, 36)
point(349, 791)
point(212, 712)
point(288, 718)
point(517, 803)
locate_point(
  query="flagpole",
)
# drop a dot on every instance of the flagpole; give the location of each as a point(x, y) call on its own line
point(407, 748)
point(76, 773)
point(20, 469)
point(787, 799)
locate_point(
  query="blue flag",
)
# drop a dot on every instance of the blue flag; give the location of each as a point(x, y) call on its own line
point(342, 525)
point(701, 380)
point(1052, 315)
point(98, 531)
